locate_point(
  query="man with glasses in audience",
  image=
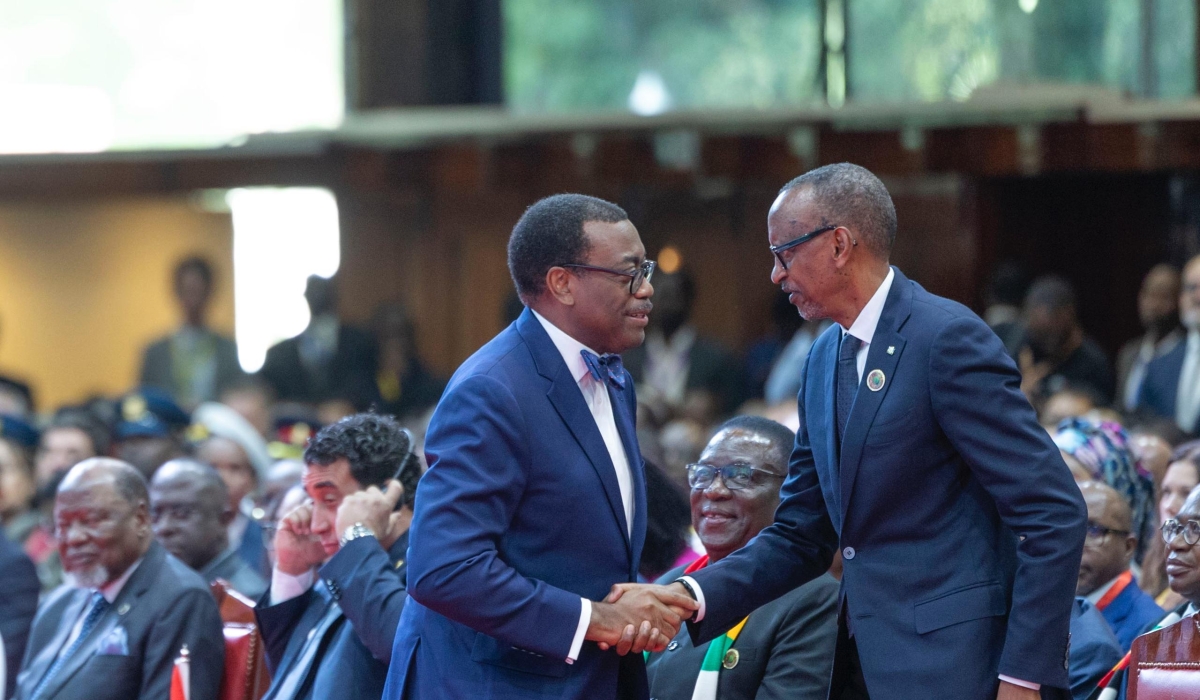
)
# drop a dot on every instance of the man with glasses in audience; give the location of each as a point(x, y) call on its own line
point(1105, 579)
point(1181, 534)
point(785, 648)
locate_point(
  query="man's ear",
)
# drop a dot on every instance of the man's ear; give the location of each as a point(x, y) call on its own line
point(560, 284)
point(844, 242)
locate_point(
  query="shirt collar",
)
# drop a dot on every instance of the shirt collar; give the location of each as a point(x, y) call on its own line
point(1095, 596)
point(864, 326)
point(112, 590)
point(568, 347)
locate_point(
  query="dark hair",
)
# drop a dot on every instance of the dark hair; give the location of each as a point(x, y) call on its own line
point(83, 420)
point(1050, 292)
point(550, 233)
point(850, 195)
point(196, 264)
point(1008, 284)
point(376, 447)
point(782, 438)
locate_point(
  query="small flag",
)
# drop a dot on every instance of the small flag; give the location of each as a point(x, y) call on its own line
point(181, 681)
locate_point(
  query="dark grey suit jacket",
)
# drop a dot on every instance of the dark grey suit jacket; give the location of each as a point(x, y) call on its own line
point(784, 651)
point(157, 367)
point(163, 606)
point(232, 569)
point(19, 588)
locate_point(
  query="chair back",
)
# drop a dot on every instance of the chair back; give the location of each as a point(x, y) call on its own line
point(1165, 664)
point(246, 674)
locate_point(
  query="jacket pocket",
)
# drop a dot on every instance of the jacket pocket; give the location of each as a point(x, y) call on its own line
point(491, 651)
point(986, 599)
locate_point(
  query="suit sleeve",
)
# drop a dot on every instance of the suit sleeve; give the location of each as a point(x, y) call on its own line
point(795, 549)
point(192, 619)
point(477, 449)
point(977, 401)
point(801, 659)
point(371, 595)
point(18, 605)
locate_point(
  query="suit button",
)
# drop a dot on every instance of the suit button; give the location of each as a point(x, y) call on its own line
point(848, 553)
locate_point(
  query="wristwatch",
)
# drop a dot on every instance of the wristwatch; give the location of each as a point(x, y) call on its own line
point(688, 587)
point(354, 532)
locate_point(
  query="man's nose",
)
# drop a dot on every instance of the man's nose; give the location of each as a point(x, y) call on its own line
point(777, 271)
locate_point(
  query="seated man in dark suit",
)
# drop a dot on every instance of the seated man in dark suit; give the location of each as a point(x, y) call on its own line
point(785, 648)
point(333, 638)
point(1105, 578)
point(1093, 649)
point(19, 589)
point(114, 630)
point(190, 511)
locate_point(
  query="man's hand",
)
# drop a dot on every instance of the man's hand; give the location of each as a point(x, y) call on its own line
point(1010, 691)
point(297, 550)
point(1032, 373)
point(638, 617)
point(376, 510)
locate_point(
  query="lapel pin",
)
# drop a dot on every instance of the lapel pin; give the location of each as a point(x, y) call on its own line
point(731, 659)
point(891, 349)
point(123, 608)
point(875, 380)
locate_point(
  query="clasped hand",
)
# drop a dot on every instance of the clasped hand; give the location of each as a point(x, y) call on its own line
point(637, 617)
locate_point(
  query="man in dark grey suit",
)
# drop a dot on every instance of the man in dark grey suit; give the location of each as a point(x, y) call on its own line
point(785, 648)
point(193, 363)
point(114, 630)
point(18, 602)
point(190, 511)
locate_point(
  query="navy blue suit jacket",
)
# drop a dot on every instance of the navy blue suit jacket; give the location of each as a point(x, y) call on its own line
point(367, 583)
point(1131, 613)
point(518, 517)
point(1094, 649)
point(1161, 384)
point(961, 528)
point(18, 604)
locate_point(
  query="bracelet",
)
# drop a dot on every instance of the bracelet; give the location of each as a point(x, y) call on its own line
point(354, 532)
point(688, 587)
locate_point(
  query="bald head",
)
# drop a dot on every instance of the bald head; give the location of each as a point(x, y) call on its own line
point(127, 481)
point(844, 194)
point(190, 511)
point(1109, 545)
point(1106, 505)
point(102, 520)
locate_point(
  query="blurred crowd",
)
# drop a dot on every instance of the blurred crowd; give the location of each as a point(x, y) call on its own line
point(222, 450)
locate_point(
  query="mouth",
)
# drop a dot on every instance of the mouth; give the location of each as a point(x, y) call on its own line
point(330, 548)
point(640, 317)
point(1176, 568)
point(713, 517)
point(75, 561)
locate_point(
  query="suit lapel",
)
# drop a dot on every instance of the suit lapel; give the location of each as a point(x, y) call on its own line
point(72, 611)
point(567, 399)
point(866, 402)
point(822, 423)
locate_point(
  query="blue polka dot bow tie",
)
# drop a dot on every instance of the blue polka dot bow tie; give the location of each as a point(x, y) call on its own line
point(605, 368)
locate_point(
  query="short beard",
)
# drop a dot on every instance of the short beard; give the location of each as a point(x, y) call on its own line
point(90, 578)
point(1191, 319)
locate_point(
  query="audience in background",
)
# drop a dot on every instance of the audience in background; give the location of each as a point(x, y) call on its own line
point(1092, 650)
point(785, 648)
point(1056, 353)
point(1181, 534)
point(1105, 579)
point(328, 360)
point(1158, 310)
point(190, 513)
point(150, 430)
point(193, 363)
point(1065, 403)
point(405, 386)
point(18, 602)
point(678, 370)
point(114, 631)
point(1003, 297)
point(1171, 387)
point(765, 354)
point(253, 399)
point(1182, 477)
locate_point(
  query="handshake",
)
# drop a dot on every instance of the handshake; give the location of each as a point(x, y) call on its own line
point(636, 617)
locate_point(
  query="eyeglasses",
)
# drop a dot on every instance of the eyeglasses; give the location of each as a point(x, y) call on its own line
point(777, 249)
point(1172, 528)
point(1096, 534)
point(643, 273)
point(738, 475)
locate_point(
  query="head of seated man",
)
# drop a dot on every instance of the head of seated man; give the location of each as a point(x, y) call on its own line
point(356, 453)
point(1182, 534)
point(189, 510)
point(102, 519)
point(1109, 544)
point(735, 485)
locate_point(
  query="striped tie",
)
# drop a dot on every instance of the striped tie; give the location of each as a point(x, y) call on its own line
point(98, 606)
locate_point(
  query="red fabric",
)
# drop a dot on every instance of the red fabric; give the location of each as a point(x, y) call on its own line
point(696, 565)
point(1122, 581)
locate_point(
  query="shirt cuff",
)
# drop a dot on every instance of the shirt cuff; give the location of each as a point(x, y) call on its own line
point(1024, 684)
point(285, 586)
point(585, 618)
point(699, 596)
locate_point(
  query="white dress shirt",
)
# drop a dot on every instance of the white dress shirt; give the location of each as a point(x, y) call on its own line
point(1187, 398)
point(595, 394)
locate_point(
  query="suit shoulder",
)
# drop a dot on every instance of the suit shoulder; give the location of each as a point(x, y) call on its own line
point(493, 359)
point(180, 577)
point(940, 311)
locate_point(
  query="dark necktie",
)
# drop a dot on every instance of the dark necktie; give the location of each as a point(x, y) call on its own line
point(605, 368)
point(97, 607)
point(847, 381)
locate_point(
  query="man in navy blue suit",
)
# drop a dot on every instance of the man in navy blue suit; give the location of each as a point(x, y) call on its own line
point(960, 527)
point(1172, 385)
point(534, 504)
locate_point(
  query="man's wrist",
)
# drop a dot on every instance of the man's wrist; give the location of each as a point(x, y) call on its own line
point(691, 592)
point(354, 532)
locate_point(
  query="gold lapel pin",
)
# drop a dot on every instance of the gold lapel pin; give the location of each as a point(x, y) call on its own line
point(731, 659)
point(875, 380)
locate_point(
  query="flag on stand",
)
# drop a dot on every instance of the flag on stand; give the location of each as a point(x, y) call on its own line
point(181, 681)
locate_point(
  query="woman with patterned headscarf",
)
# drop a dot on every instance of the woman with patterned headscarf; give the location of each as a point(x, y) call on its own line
point(1101, 449)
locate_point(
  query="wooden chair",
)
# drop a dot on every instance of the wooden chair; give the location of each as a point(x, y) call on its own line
point(1165, 664)
point(246, 674)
